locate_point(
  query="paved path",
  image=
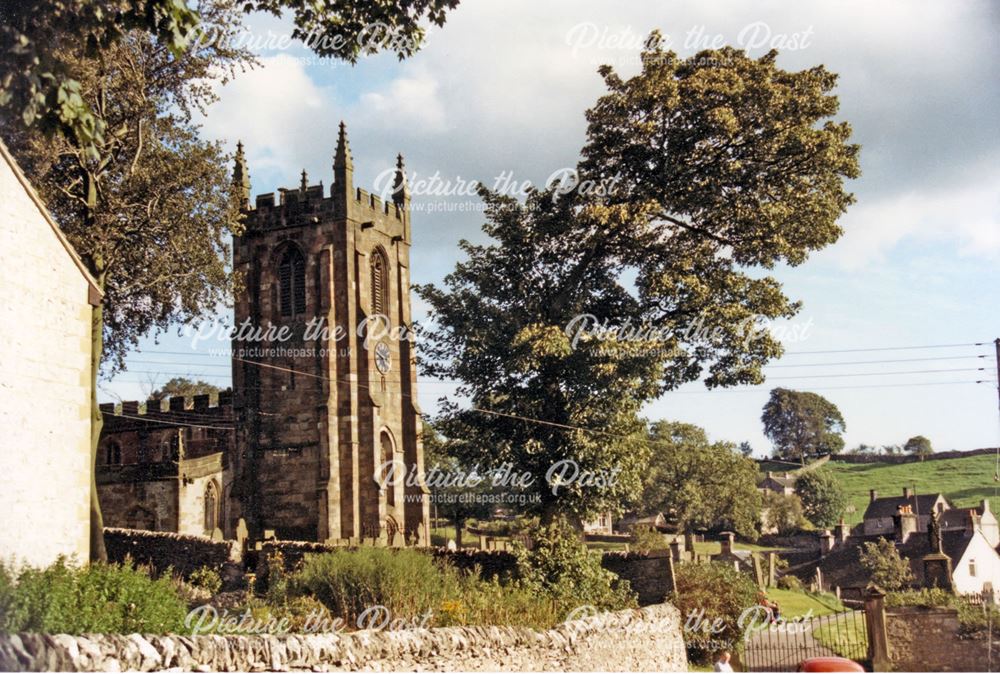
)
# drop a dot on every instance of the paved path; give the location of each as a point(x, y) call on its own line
point(783, 649)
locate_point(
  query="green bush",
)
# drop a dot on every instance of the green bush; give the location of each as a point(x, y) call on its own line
point(414, 589)
point(723, 593)
point(645, 539)
point(348, 582)
point(68, 599)
point(790, 582)
point(561, 566)
point(207, 579)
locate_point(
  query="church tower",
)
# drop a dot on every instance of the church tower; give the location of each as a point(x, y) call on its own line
point(322, 405)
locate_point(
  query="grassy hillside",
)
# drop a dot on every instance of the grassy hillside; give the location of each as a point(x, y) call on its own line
point(964, 481)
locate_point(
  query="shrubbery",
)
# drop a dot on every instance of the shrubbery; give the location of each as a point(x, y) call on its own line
point(561, 566)
point(413, 588)
point(721, 592)
point(790, 582)
point(68, 599)
point(645, 539)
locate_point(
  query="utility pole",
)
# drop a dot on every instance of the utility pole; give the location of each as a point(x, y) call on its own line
point(996, 343)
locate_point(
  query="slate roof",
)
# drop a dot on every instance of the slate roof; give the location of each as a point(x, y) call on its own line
point(842, 566)
point(888, 506)
point(780, 479)
point(958, 517)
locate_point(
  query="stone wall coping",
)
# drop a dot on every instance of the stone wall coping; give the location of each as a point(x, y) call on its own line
point(404, 649)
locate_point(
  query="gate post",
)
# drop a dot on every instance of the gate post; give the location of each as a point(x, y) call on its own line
point(878, 638)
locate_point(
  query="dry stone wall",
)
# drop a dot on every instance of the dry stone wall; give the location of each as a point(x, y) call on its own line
point(647, 639)
point(929, 640)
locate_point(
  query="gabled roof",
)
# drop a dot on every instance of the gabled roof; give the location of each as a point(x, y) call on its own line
point(842, 567)
point(783, 481)
point(888, 506)
point(959, 517)
point(96, 294)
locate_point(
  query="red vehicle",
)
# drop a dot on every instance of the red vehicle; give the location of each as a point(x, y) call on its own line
point(829, 664)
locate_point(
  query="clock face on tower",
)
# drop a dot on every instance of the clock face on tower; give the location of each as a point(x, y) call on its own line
point(383, 357)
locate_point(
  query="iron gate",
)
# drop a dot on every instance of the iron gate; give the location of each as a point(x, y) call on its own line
point(781, 647)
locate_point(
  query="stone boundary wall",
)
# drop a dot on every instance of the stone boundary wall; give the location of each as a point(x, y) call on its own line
point(161, 549)
point(909, 458)
point(490, 562)
point(928, 640)
point(650, 573)
point(646, 639)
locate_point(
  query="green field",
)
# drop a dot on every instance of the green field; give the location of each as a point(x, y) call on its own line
point(794, 604)
point(964, 482)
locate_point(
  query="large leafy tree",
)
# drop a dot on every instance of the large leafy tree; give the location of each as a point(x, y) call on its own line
point(698, 484)
point(802, 424)
point(151, 209)
point(823, 497)
point(697, 174)
point(782, 513)
point(44, 87)
point(920, 446)
point(885, 566)
point(183, 387)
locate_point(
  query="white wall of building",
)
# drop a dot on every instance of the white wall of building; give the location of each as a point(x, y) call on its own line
point(45, 332)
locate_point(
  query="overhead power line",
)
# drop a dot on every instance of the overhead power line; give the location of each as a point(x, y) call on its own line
point(888, 348)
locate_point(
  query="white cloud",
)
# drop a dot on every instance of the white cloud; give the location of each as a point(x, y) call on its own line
point(273, 109)
point(967, 217)
point(412, 100)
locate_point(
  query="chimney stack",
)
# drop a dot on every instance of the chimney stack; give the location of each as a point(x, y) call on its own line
point(907, 492)
point(872, 494)
point(905, 523)
point(826, 543)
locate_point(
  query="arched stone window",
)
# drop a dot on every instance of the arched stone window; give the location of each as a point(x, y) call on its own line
point(292, 282)
point(113, 454)
point(380, 283)
point(211, 507)
point(388, 458)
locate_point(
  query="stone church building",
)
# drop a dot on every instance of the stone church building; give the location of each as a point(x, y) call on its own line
point(322, 403)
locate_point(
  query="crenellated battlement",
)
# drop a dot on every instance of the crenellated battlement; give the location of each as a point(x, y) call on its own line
point(176, 409)
point(312, 204)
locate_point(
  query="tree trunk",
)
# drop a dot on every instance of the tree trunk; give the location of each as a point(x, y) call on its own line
point(98, 553)
point(459, 525)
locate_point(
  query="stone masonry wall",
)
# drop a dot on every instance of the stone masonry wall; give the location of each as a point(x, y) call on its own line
point(162, 549)
point(648, 639)
point(45, 319)
point(928, 640)
point(650, 574)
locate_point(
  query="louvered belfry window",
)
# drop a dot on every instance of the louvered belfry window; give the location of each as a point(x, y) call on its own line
point(292, 283)
point(380, 299)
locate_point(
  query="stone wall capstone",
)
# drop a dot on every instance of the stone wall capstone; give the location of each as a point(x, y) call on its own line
point(647, 639)
point(161, 549)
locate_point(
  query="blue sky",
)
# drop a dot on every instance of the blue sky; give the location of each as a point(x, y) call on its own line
point(500, 92)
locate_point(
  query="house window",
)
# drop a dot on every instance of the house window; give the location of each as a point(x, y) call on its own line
point(292, 283)
point(972, 568)
point(113, 454)
point(380, 283)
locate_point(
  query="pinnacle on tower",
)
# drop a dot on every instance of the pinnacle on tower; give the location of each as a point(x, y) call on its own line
point(400, 190)
point(342, 158)
point(241, 176)
point(343, 166)
point(305, 182)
